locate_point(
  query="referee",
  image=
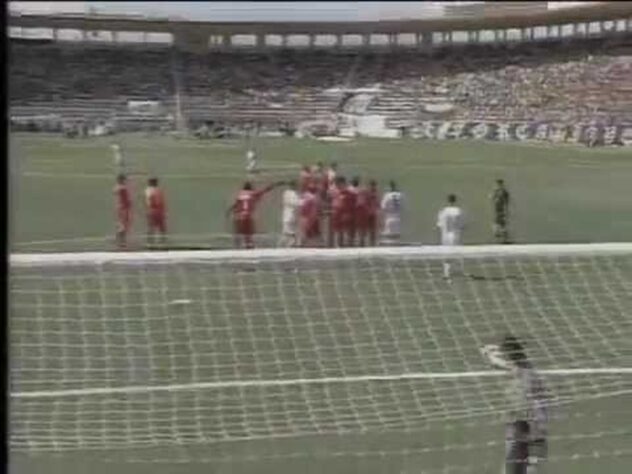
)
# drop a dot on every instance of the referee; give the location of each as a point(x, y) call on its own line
point(500, 202)
point(527, 416)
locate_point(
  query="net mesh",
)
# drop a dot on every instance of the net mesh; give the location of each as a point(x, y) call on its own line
point(180, 350)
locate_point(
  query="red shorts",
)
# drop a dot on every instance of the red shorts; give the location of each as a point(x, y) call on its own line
point(124, 218)
point(340, 221)
point(310, 229)
point(244, 226)
point(157, 221)
point(366, 222)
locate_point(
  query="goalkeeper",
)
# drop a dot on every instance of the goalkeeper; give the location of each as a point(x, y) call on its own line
point(526, 445)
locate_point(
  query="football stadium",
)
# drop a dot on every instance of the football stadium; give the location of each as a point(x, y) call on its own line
point(396, 245)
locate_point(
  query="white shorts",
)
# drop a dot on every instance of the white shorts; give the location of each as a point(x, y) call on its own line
point(450, 238)
point(392, 226)
point(290, 227)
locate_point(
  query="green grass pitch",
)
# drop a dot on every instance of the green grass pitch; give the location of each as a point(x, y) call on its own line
point(62, 189)
point(61, 200)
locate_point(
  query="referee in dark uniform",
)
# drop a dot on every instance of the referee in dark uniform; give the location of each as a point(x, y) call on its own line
point(500, 202)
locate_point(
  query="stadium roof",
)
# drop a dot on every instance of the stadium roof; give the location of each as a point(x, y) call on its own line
point(601, 11)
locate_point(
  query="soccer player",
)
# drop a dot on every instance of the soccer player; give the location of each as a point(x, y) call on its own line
point(353, 191)
point(450, 222)
point(243, 210)
point(319, 175)
point(310, 218)
point(332, 174)
point(156, 209)
point(291, 204)
point(305, 178)
point(500, 201)
point(123, 210)
point(367, 209)
point(526, 429)
point(342, 213)
point(391, 206)
point(119, 159)
point(251, 161)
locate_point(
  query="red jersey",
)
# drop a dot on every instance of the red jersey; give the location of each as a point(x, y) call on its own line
point(309, 207)
point(343, 200)
point(123, 199)
point(246, 203)
point(155, 200)
point(368, 201)
point(353, 196)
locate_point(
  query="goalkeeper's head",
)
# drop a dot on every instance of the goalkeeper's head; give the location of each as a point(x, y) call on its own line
point(514, 351)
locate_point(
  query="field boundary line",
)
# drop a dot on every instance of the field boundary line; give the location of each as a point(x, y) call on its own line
point(214, 176)
point(290, 382)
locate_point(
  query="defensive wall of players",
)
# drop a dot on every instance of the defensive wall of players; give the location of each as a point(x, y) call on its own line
point(530, 22)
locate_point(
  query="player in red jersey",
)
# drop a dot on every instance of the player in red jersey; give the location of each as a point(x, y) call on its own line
point(336, 212)
point(243, 210)
point(342, 209)
point(351, 204)
point(367, 209)
point(319, 178)
point(309, 213)
point(306, 179)
point(123, 210)
point(156, 209)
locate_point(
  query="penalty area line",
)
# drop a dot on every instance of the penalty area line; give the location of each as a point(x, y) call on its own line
point(291, 382)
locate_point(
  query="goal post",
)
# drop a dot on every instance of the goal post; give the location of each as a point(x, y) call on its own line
point(163, 349)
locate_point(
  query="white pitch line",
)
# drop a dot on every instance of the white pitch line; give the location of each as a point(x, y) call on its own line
point(291, 382)
point(183, 301)
point(37, 174)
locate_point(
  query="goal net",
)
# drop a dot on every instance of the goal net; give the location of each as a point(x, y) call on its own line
point(362, 360)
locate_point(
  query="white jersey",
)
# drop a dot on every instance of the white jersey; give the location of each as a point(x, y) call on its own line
point(392, 204)
point(119, 160)
point(291, 204)
point(392, 211)
point(251, 160)
point(451, 221)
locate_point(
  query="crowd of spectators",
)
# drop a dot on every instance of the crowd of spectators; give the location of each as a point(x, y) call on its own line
point(563, 81)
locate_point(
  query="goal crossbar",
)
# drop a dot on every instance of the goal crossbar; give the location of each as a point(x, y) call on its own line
point(430, 252)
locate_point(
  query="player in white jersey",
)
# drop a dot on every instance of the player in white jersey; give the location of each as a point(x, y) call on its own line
point(450, 222)
point(391, 207)
point(119, 159)
point(291, 204)
point(251, 161)
point(527, 415)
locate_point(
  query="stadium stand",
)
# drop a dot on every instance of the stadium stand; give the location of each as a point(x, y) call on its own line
point(565, 80)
